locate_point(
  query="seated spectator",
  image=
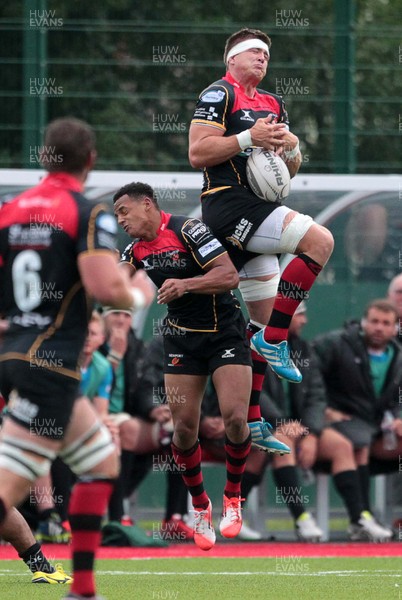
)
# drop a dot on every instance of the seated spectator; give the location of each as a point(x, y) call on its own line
point(142, 425)
point(362, 370)
point(96, 370)
point(212, 440)
point(297, 410)
point(394, 295)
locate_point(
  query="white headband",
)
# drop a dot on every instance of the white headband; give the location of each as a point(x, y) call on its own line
point(247, 45)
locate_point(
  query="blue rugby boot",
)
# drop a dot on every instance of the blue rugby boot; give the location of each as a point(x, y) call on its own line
point(262, 438)
point(277, 356)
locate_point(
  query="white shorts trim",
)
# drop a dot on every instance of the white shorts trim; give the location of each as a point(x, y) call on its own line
point(264, 264)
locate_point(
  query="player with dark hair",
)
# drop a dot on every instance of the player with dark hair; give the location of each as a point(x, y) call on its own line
point(231, 117)
point(204, 333)
point(53, 246)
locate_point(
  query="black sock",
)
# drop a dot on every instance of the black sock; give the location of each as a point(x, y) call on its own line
point(364, 477)
point(347, 484)
point(288, 485)
point(116, 506)
point(176, 495)
point(248, 481)
point(35, 560)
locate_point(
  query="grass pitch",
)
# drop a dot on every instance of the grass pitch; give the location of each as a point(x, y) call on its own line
point(280, 578)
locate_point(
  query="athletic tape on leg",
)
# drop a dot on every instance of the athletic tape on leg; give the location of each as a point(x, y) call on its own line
point(16, 456)
point(253, 289)
point(88, 451)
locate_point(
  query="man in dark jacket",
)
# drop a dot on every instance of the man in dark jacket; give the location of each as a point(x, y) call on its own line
point(297, 410)
point(362, 369)
point(131, 405)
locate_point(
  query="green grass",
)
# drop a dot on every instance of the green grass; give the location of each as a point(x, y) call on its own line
point(290, 578)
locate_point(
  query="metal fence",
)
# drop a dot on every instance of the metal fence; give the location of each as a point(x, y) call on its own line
point(137, 79)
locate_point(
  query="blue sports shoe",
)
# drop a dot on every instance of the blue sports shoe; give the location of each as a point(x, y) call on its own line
point(277, 356)
point(262, 438)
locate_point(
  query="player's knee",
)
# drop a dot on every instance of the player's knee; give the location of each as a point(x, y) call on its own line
point(185, 433)
point(25, 458)
point(325, 243)
point(340, 446)
point(109, 468)
point(235, 423)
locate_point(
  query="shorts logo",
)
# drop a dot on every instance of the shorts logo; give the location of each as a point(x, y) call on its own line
point(228, 353)
point(240, 233)
point(175, 360)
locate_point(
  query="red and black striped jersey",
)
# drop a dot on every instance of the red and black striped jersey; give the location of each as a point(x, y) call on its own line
point(225, 105)
point(182, 249)
point(42, 232)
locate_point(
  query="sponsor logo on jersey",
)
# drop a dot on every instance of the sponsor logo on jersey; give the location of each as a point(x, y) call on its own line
point(164, 260)
point(19, 235)
point(196, 231)
point(107, 223)
point(22, 408)
point(209, 247)
point(213, 96)
point(205, 114)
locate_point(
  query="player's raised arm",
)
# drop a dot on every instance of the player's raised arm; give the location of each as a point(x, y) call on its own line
point(104, 280)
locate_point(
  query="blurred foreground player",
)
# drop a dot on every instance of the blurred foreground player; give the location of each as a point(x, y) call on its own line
point(54, 245)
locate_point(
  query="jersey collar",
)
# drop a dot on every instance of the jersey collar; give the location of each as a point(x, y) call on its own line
point(165, 218)
point(229, 77)
point(64, 180)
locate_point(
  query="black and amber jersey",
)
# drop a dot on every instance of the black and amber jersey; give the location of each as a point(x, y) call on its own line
point(42, 232)
point(225, 105)
point(182, 249)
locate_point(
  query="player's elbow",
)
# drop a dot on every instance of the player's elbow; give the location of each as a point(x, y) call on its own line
point(195, 159)
point(112, 293)
point(235, 280)
point(232, 279)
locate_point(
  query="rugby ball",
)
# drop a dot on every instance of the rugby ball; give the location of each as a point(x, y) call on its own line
point(268, 175)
